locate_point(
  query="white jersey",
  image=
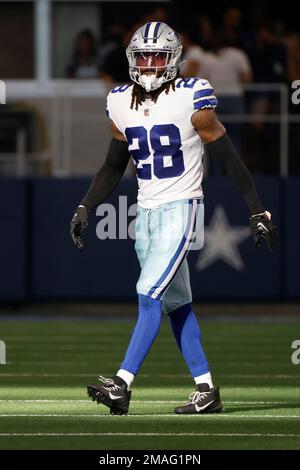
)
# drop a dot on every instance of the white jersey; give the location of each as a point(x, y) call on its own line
point(166, 149)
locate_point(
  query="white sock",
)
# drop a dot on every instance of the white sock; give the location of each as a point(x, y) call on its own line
point(128, 377)
point(204, 379)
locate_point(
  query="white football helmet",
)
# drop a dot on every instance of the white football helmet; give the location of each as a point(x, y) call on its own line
point(154, 55)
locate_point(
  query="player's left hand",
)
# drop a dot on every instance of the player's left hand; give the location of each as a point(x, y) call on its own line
point(263, 229)
point(78, 223)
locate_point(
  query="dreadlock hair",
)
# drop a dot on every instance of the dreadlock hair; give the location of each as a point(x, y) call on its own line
point(138, 94)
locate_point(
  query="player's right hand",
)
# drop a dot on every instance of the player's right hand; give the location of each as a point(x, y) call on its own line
point(78, 223)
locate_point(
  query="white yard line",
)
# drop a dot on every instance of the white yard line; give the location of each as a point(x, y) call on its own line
point(145, 434)
point(154, 415)
point(74, 362)
point(227, 402)
point(254, 376)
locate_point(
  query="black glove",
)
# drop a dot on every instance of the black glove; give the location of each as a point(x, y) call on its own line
point(78, 223)
point(263, 229)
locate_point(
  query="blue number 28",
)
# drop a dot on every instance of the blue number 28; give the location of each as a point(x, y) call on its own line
point(165, 142)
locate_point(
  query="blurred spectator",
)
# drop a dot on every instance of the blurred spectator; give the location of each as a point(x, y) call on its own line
point(84, 64)
point(292, 42)
point(205, 31)
point(115, 67)
point(231, 26)
point(227, 69)
point(157, 14)
point(269, 57)
point(112, 39)
point(269, 62)
point(192, 56)
point(234, 34)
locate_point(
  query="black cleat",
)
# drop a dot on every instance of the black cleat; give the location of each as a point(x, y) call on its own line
point(113, 394)
point(203, 400)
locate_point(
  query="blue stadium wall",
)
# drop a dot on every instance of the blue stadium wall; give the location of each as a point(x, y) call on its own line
point(39, 261)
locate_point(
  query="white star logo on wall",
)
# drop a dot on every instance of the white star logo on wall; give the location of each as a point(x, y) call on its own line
point(221, 242)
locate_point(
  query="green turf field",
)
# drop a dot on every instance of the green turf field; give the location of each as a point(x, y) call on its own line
point(43, 401)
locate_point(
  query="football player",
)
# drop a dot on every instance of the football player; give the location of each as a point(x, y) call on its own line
point(164, 123)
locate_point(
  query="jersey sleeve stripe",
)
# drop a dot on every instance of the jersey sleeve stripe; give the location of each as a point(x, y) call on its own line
point(205, 92)
point(212, 103)
point(205, 98)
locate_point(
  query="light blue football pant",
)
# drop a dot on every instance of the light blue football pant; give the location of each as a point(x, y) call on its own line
point(164, 236)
